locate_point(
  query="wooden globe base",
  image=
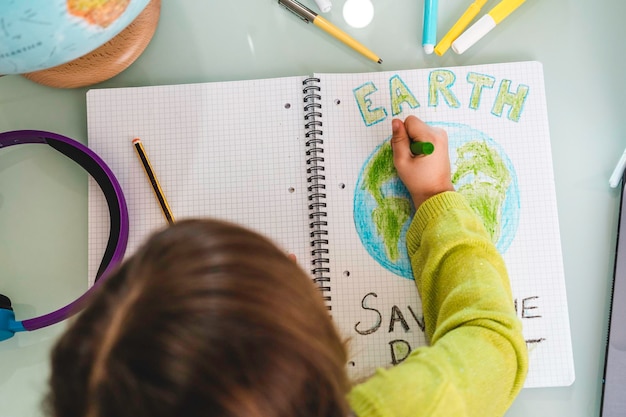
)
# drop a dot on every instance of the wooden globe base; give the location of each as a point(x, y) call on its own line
point(109, 59)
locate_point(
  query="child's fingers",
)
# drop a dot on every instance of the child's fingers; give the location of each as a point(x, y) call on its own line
point(418, 130)
point(400, 142)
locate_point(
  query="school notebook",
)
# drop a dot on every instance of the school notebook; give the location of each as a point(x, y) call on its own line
point(306, 161)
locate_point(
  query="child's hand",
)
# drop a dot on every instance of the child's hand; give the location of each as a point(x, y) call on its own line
point(423, 175)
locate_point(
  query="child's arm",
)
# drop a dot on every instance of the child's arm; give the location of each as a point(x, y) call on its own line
point(477, 361)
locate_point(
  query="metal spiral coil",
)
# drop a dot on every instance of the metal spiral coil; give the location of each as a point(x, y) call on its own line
point(316, 179)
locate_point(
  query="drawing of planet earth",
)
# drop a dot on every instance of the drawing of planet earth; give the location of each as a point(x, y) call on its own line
point(481, 171)
point(36, 34)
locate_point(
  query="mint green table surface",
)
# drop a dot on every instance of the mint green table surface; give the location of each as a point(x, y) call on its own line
point(43, 196)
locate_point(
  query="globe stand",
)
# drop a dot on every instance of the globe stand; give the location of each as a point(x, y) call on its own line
point(107, 60)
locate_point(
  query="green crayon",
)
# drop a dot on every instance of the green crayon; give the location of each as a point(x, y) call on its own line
point(422, 148)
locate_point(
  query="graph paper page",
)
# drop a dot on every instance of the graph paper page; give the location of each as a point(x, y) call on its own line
point(491, 113)
point(228, 150)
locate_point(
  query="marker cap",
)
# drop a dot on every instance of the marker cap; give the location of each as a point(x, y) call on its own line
point(422, 148)
point(472, 35)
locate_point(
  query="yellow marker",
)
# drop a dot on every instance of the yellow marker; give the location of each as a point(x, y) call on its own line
point(485, 24)
point(156, 187)
point(309, 15)
point(503, 9)
point(459, 27)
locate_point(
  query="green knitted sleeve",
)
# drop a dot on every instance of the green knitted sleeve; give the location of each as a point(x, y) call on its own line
point(476, 362)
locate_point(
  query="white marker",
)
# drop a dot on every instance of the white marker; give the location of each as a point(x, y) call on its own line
point(485, 24)
point(618, 171)
point(324, 5)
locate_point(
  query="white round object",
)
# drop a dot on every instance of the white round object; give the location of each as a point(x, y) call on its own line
point(358, 13)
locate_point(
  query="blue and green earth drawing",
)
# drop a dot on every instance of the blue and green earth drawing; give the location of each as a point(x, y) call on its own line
point(481, 171)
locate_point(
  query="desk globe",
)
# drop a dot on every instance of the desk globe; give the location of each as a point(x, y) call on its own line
point(74, 43)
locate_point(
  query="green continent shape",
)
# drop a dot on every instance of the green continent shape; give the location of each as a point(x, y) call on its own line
point(391, 212)
point(388, 218)
point(487, 191)
point(379, 170)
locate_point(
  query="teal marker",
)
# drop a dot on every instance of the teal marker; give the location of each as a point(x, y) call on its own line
point(429, 33)
point(422, 148)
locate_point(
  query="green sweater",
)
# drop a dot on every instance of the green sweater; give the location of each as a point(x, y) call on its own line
point(477, 361)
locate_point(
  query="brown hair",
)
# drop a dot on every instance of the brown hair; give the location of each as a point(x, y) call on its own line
point(206, 319)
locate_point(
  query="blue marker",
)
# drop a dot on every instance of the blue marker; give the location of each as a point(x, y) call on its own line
point(429, 36)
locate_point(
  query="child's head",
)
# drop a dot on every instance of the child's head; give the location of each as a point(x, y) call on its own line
point(207, 318)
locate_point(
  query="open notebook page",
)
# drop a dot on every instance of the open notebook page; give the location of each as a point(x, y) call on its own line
point(230, 150)
point(493, 111)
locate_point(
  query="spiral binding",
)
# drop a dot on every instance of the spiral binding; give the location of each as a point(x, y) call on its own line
point(317, 184)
